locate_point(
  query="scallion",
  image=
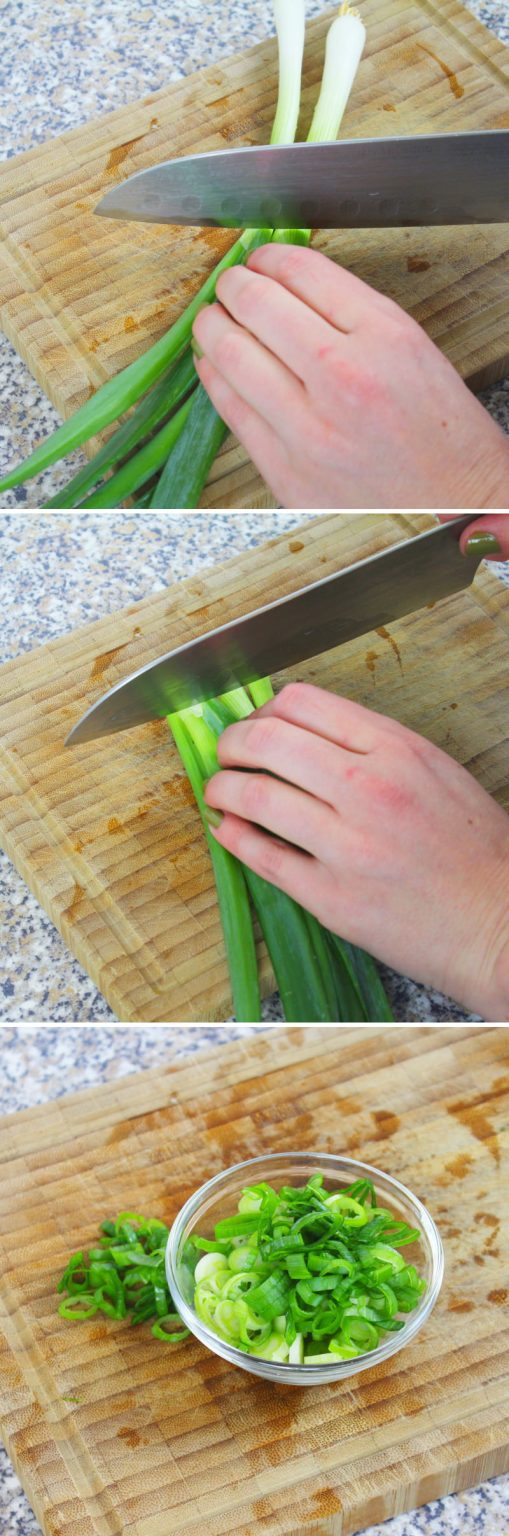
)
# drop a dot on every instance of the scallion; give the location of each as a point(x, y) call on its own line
point(308, 1285)
point(157, 382)
point(124, 1276)
point(320, 979)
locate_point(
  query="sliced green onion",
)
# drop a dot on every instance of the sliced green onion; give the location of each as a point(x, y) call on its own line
point(124, 1277)
point(288, 1293)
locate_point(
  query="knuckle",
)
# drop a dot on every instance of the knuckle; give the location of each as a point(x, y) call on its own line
point(255, 796)
point(387, 792)
point(230, 351)
point(271, 862)
point(293, 695)
point(261, 733)
point(294, 261)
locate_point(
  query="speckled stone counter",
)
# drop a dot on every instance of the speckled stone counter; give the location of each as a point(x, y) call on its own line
point(58, 572)
point(61, 66)
point(38, 1065)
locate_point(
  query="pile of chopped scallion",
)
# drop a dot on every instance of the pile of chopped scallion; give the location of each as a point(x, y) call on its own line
point(302, 1275)
point(321, 978)
point(161, 455)
point(124, 1277)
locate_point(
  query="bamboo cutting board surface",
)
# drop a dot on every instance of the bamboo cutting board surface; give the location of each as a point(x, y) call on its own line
point(113, 1434)
point(107, 836)
point(81, 297)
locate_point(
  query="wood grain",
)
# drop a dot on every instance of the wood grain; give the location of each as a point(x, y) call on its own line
point(81, 297)
point(112, 1435)
point(107, 836)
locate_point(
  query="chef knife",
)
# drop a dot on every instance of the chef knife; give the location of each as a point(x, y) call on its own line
point(364, 596)
point(453, 178)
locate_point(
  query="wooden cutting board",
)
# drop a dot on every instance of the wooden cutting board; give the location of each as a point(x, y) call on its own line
point(113, 1434)
point(81, 297)
point(108, 837)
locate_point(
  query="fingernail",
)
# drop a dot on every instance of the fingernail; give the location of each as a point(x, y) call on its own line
point(195, 347)
point(214, 818)
point(483, 545)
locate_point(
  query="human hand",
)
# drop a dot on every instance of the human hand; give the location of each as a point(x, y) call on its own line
point(394, 846)
point(340, 398)
point(487, 535)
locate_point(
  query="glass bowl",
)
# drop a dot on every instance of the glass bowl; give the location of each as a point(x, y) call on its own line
point(219, 1198)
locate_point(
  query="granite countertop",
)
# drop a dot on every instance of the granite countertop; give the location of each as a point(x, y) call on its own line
point(58, 572)
point(35, 1065)
point(62, 66)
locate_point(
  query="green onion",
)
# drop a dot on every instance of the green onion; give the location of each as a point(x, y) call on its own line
point(305, 1286)
point(188, 468)
point(289, 16)
point(169, 391)
point(142, 465)
point(124, 1275)
point(191, 443)
point(115, 397)
point(320, 979)
point(343, 52)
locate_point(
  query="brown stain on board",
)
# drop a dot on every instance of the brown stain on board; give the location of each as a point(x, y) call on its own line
point(295, 546)
point(474, 1117)
point(179, 790)
point(457, 90)
point(76, 900)
point(104, 661)
point(121, 1132)
point(384, 635)
point(130, 324)
point(417, 264)
point(498, 1297)
point(457, 1305)
point(459, 1166)
point(120, 152)
point(486, 1219)
point(324, 1503)
point(114, 825)
point(131, 1437)
point(386, 1123)
point(371, 661)
point(388, 106)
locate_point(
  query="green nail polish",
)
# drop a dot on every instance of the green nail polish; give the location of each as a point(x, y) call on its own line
point(483, 545)
point(214, 818)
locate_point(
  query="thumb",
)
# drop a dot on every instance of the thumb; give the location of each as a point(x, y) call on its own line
point(487, 535)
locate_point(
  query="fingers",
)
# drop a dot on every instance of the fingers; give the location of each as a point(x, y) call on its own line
point(279, 808)
point(335, 719)
point(491, 526)
point(488, 536)
point(295, 873)
point(298, 756)
point(253, 372)
point(257, 437)
point(335, 294)
point(289, 328)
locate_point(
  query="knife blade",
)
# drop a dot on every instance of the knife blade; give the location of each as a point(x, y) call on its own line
point(453, 178)
point(364, 596)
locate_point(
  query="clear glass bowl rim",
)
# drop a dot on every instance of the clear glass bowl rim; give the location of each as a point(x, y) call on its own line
point(278, 1370)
